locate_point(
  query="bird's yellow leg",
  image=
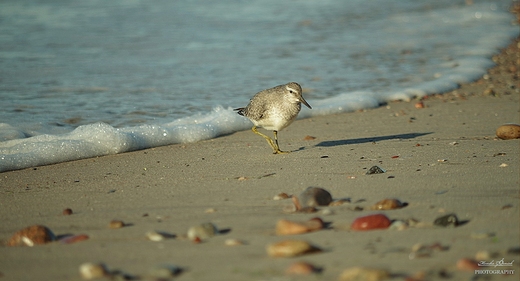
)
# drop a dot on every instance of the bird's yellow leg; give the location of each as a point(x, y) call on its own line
point(273, 144)
point(277, 149)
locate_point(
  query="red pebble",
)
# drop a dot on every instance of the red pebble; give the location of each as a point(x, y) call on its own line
point(74, 239)
point(377, 221)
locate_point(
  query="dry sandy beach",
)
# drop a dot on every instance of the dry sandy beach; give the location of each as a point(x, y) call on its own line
point(440, 159)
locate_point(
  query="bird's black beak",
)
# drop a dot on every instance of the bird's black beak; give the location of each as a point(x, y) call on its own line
point(305, 102)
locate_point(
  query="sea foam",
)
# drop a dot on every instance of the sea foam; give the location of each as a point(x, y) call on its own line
point(102, 139)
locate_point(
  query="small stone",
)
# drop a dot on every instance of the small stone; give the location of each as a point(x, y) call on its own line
point(376, 221)
point(210, 211)
point(74, 239)
point(307, 138)
point(116, 224)
point(466, 264)
point(203, 231)
point(449, 220)
point(155, 236)
point(375, 170)
point(164, 272)
point(503, 165)
point(67, 212)
point(301, 268)
point(388, 204)
point(419, 105)
point(233, 242)
point(90, 271)
point(363, 274)
point(398, 225)
point(338, 202)
point(314, 197)
point(281, 196)
point(287, 227)
point(291, 248)
point(489, 92)
point(32, 235)
point(508, 132)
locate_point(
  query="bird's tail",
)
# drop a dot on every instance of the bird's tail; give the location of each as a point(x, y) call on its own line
point(240, 110)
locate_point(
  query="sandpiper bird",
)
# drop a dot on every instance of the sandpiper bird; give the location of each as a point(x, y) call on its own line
point(274, 109)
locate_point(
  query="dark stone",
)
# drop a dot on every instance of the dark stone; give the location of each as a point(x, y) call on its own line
point(449, 220)
point(375, 170)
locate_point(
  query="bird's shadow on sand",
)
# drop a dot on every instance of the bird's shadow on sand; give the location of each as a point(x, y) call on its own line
point(370, 139)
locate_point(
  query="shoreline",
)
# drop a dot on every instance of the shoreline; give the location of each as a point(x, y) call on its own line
point(440, 159)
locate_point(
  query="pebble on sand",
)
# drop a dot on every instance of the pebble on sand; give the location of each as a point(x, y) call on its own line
point(291, 248)
point(32, 235)
point(203, 231)
point(466, 264)
point(116, 224)
point(67, 212)
point(233, 242)
point(74, 238)
point(419, 105)
point(155, 236)
point(90, 271)
point(287, 227)
point(375, 170)
point(376, 221)
point(314, 197)
point(339, 202)
point(302, 268)
point(281, 196)
point(365, 274)
point(508, 132)
point(398, 225)
point(388, 204)
point(449, 220)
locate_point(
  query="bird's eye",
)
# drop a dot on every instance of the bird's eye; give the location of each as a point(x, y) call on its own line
point(290, 91)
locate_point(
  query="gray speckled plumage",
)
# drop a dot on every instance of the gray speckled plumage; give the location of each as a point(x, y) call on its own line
point(274, 109)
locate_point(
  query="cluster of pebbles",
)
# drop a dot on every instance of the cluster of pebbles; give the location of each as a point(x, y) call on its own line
point(309, 201)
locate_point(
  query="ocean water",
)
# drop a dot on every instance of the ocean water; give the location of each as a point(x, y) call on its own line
point(81, 79)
